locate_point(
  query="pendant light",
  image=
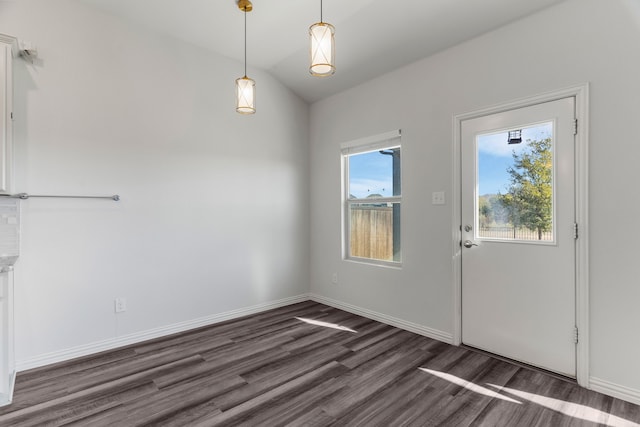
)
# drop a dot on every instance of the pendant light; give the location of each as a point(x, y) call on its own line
point(245, 87)
point(323, 50)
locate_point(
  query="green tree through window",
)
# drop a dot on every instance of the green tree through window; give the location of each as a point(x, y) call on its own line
point(529, 199)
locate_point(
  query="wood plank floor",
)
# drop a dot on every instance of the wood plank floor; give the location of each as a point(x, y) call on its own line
point(292, 367)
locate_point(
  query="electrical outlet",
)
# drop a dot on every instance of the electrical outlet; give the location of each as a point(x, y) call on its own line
point(120, 305)
point(334, 278)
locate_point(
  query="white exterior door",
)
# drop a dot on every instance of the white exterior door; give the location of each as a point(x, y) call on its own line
point(518, 237)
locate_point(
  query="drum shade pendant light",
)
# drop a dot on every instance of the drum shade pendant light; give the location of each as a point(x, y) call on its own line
point(323, 49)
point(245, 87)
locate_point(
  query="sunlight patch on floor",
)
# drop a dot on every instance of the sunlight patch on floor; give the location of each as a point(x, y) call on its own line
point(326, 324)
point(468, 385)
point(574, 410)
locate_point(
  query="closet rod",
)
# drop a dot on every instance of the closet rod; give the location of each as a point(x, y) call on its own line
point(25, 196)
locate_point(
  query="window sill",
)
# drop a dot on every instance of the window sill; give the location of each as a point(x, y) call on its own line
point(375, 263)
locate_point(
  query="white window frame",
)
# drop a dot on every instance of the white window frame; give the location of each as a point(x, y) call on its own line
point(378, 142)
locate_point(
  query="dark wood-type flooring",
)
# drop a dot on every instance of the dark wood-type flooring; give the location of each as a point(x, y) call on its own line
point(274, 369)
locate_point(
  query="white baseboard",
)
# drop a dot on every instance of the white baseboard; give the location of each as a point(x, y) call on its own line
point(110, 344)
point(615, 390)
point(389, 320)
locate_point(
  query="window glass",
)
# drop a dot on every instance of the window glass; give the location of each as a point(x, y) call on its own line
point(515, 184)
point(371, 174)
point(373, 200)
point(372, 230)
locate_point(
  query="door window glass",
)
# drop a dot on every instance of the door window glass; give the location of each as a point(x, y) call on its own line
point(514, 196)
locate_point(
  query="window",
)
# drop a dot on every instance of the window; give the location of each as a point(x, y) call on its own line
point(372, 199)
point(515, 184)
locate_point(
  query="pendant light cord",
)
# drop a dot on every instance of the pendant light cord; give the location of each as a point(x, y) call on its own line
point(245, 42)
point(321, 11)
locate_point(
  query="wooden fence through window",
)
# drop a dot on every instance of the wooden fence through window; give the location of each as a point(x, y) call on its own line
point(372, 232)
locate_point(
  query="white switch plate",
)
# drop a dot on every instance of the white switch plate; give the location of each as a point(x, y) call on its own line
point(437, 198)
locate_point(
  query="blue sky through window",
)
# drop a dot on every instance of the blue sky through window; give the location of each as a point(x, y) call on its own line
point(370, 173)
point(495, 156)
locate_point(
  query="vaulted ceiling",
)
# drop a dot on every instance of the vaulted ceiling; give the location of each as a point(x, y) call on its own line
point(372, 36)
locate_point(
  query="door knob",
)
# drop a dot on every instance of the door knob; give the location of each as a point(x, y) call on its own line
point(469, 243)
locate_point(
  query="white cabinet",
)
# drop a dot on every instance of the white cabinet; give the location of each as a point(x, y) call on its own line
point(7, 50)
point(7, 370)
point(9, 226)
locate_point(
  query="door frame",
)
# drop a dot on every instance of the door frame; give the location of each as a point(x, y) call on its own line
point(581, 95)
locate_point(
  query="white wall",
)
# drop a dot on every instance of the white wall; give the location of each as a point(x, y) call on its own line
point(575, 42)
point(214, 210)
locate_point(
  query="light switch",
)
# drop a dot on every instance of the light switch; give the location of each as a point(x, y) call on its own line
point(437, 198)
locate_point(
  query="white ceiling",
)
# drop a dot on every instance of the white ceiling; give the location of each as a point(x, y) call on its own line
point(372, 36)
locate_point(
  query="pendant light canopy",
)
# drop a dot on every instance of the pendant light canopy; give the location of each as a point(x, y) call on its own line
point(245, 87)
point(323, 51)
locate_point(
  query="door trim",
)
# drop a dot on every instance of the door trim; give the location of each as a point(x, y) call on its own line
point(581, 95)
